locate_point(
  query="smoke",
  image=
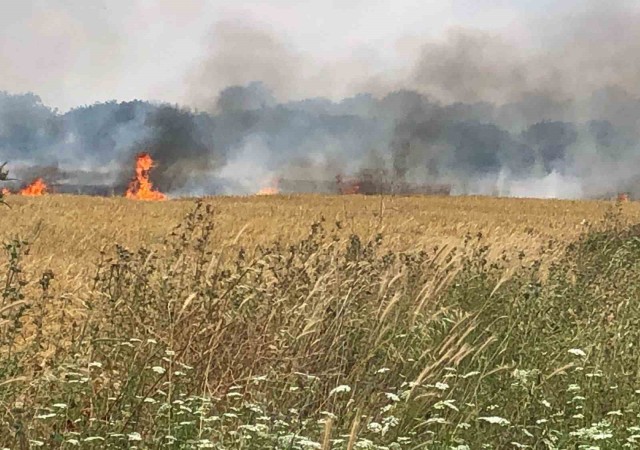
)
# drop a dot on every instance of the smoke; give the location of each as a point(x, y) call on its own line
point(254, 140)
point(239, 55)
point(569, 56)
point(553, 113)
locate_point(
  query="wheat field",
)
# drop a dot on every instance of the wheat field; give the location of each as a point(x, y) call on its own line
point(68, 232)
point(317, 322)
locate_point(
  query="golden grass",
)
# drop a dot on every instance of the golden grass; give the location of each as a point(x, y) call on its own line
point(324, 326)
point(70, 231)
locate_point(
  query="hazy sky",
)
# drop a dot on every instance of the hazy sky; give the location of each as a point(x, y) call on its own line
point(75, 52)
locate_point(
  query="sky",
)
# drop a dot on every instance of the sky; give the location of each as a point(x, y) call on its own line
point(77, 52)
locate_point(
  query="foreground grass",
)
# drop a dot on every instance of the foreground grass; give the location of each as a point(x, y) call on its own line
point(331, 342)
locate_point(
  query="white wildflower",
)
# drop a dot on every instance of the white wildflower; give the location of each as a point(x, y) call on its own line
point(234, 395)
point(158, 369)
point(392, 397)
point(438, 420)
point(365, 444)
point(598, 431)
point(340, 389)
point(577, 352)
point(601, 436)
point(446, 403)
point(495, 420)
point(388, 408)
point(135, 436)
point(470, 374)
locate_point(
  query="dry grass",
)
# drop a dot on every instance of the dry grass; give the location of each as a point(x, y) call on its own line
point(352, 332)
point(70, 231)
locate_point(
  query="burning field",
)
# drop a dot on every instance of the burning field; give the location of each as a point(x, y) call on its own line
point(394, 227)
point(269, 303)
point(141, 188)
point(365, 182)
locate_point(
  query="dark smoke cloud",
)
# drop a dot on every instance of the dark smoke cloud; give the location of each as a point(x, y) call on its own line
point(253, 139)
point(569, 57)
point(241, 54)
point(557, 118)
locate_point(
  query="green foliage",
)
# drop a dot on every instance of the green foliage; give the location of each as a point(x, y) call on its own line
point(330, 343)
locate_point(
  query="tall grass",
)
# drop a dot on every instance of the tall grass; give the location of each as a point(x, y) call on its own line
point(329, 343)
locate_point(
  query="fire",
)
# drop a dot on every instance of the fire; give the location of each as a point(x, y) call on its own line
point(348, 187)
point(141, 187)
point(5, 191)
point(270, 190)
point(37, 188)
point(623, 197)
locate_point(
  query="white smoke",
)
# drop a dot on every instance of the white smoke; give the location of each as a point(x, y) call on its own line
point(249, 168)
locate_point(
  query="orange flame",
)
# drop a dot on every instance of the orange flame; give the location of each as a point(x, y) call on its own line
point(37, 188)
point(6, 191)
point(141, 188)
point(270, 190)
point(623, 197)
point(348, 187)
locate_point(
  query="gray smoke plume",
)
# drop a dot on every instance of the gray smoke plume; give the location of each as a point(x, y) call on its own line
point(253, 140)
point(556, 118)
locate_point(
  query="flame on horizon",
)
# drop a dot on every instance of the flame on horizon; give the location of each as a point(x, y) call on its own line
point(270, 190)
point(141, 187)
point(348, 187)
point(623, 197)
point(36, 188)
